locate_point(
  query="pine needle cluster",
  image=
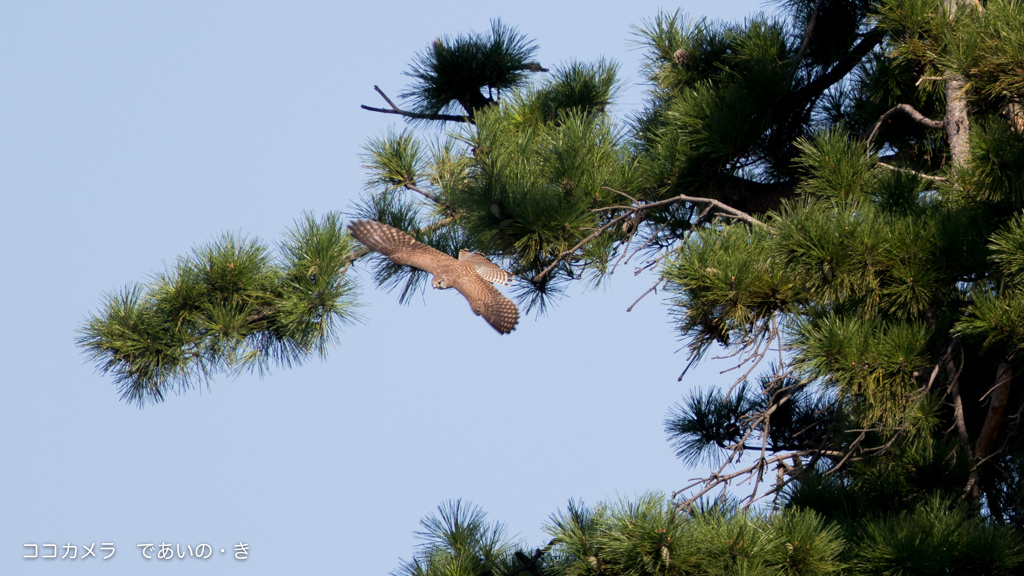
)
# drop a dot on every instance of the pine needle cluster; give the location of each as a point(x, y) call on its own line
point(452, 75)
point(458, 540)
point(650, 536)
point(229, 306)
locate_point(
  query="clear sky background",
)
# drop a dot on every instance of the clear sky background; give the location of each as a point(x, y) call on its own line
point(132, 131)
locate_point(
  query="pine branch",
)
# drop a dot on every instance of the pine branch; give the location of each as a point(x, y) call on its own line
point(953, 378)
point(812, 90)
point(759, 423)
point(914, 172)
point(646, 292)
point(421, 192)
point(414, 115)
point(807, 35)
point(1000, 395)
point(227, 307)
point(635, 211)
point(909, 111)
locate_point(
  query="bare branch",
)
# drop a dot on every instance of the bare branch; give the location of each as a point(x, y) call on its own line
point(807, 35)
point(724, 209)
point(1000, 393)
point(625, 259)
point(953, 377)
point(648, 291)
point(764, 448)
point(718, 479)
point(579, 245)
point(634, 200)
point(414, 115)
point(422, 192)
point(909, 111)
point(928, 79)
point(385, 97)
point(914, 172)
point(811, 91)
point(849, 452)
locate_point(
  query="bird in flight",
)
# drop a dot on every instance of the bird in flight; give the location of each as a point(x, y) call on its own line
point(472, 274)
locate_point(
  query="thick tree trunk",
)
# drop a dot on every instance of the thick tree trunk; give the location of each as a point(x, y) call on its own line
point(998, 396)
point(957, 126)
point(956, 122)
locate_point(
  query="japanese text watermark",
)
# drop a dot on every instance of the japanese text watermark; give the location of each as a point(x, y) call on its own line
point(165, 551)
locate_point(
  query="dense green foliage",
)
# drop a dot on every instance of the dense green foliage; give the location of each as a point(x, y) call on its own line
point(652, 536)
point(796, 181)
point(831, 195)
point(230, 305)
point(452, 74)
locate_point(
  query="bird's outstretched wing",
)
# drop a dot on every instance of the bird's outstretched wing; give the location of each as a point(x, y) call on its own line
point(464, 274)
point(398, 246)
point(485, 300)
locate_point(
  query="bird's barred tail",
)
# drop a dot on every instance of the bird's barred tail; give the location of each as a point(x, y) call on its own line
point(503, 315)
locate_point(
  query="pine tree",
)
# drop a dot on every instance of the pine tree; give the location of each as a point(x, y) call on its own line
point(831, 195)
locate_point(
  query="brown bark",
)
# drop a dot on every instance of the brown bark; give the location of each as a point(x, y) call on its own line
point(956, 121)
point(998, 397)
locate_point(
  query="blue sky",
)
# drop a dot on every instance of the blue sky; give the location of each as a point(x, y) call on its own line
point(133, 131)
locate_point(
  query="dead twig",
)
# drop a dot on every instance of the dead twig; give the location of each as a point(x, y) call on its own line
point(909, 111)
point(648, 291)
point(414, 115)
point(807, 35)
point(724, 209)
point(914, 172)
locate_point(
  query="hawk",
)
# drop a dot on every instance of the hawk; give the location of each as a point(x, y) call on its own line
point(472, 274)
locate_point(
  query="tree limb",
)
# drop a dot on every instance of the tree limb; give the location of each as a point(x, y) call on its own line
point(632, 210)
point(909, 111)
point(421, 192)
point(914, 172)
point(648, 291)
point(807, 35)
point(414, 115)
point(810, 91)
point(953, 378)
point(718, 479)
point(957, 123)
point(1000, 394)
